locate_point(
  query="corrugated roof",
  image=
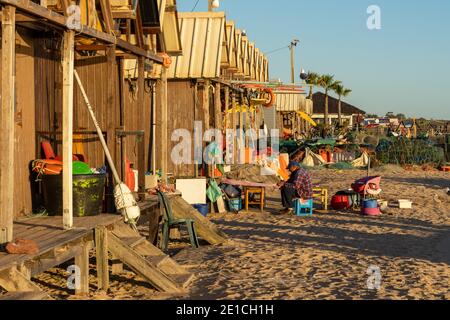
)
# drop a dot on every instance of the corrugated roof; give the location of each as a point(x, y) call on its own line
point(170, 36)
point(288, 101)
point(238, 52)
point(202, 34)
point(232, 38)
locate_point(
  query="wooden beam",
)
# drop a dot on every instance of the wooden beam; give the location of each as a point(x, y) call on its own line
point(205, 103)
point(123, 14)
point(65, 4)
point(139, 32)
point(163, 112)
point(227, 105)
point(7, 124)
point(107, 15)
point(140, 265)
point(67, 106)
point(82, 261)
point(241, 146)
point(126, 46)
point(111, 122)
point(142, 109)
point(233, 124)
point(54, 18)
point(217, 107)
point(101, 251)
point(12, 280)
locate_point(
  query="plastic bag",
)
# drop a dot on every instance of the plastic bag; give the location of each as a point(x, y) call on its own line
point(213, 192)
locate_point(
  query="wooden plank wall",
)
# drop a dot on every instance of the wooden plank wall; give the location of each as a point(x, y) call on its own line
point(93, 72)
point(182, 114)
point(24, 121)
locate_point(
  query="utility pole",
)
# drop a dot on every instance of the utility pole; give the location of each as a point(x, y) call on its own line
point(292, 46)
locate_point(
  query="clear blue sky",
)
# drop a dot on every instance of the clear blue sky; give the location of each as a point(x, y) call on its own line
point(404, 67)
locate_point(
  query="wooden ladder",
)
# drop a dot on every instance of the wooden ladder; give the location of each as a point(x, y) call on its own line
point(157, 268)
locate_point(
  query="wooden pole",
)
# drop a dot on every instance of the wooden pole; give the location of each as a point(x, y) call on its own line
point(111, 122)
point(142, 110)
point(227, 104)
point(164, 125)
point(234, 123)
point(217, 107)
point(292, 47)
point(206, 104)
point(7, 124)
point(67, 105)
point(101, 252)
point(241, 152)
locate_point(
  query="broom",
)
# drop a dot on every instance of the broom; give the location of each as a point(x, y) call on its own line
point(123, 198)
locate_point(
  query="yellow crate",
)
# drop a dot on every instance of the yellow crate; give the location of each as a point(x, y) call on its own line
point(321, 194)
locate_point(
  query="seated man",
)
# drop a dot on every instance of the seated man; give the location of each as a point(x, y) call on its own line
point(298, 186)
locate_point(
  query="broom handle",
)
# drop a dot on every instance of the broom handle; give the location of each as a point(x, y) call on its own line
point(99, 131)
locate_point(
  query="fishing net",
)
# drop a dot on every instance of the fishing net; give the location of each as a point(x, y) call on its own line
point(402, 151)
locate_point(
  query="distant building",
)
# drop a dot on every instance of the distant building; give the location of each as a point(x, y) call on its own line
point(350, 114)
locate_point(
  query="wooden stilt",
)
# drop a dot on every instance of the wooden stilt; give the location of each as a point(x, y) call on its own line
point(7, 125)
point(233, 124)
point(163, 112)
point(217, 107)
point(227, 107)
point(101, 252)
point(142, 164)
point(82, 261)
point(205, 104)
point(67, 105)
point(111, 122)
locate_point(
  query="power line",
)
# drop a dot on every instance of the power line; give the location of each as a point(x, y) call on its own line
point(276, 50)
point(195, 6)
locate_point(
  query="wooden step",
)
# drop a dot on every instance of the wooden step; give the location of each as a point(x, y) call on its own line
point(183, 280)
point(157, 261)
point(135, 251)
point(133, 241)
point(25, 295)
point(141, 266)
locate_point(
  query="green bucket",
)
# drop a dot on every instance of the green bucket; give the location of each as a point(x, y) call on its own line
point(88, 193)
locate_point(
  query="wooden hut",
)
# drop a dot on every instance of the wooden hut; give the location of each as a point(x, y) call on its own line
point(41, 47)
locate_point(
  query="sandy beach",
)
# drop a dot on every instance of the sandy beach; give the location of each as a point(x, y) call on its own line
point(327, 256)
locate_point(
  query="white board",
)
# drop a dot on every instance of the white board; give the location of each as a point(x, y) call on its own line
point(193, 191)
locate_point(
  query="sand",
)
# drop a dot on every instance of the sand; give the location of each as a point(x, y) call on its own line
point(324, 257)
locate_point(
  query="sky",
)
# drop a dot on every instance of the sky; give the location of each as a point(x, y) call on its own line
point(404, 67)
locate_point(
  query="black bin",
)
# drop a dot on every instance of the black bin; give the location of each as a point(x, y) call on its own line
point(88, 192)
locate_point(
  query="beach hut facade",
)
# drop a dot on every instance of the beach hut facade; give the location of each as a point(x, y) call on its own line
point(41, 101)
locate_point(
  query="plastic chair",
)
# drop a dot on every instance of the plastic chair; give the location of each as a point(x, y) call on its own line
point(171, 223)
point(368, 187)
point(303, 209)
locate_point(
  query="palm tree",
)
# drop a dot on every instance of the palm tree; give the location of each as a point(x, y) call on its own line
point(341, 91)
point(328, 83)
point(312, 80)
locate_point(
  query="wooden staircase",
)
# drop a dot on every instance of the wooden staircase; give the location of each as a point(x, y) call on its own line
point(146, 260)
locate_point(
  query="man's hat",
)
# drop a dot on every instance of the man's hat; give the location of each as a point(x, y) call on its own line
point(293, 164)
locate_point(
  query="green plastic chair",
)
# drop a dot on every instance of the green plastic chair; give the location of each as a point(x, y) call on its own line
point(171, 223)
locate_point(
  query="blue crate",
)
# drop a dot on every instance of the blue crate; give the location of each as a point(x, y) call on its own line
point(235, 204)
point(304, 210)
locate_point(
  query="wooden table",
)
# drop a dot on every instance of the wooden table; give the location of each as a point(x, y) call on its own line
point(255, 191)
